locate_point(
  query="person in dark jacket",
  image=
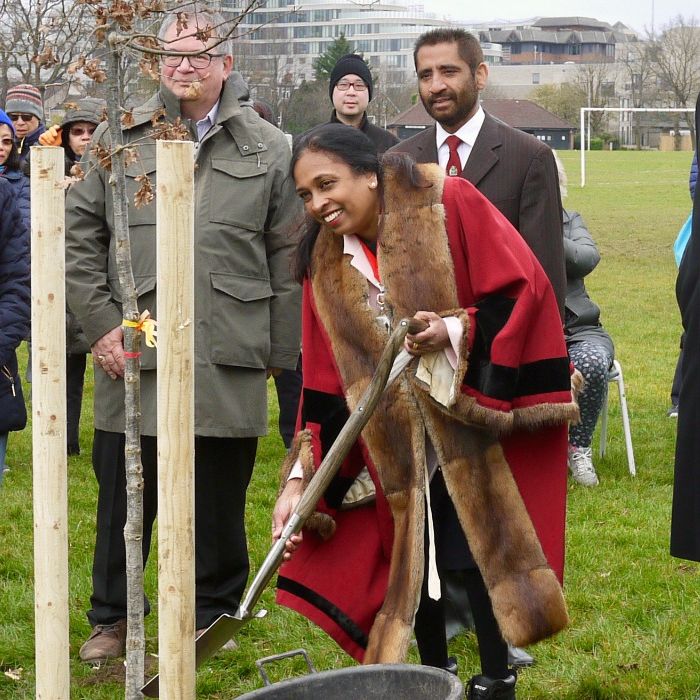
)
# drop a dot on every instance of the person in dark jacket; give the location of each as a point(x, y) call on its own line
point(14, 313)
point(25, 107)
point(74, 134)
point(685, 517)
point(350, 90)
point(676, 386)
point(10, 168)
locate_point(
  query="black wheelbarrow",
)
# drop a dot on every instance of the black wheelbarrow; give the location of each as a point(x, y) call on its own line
point(377, 681)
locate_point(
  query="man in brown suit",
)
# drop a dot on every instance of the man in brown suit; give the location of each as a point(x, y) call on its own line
point(518, 174)
point(512, 169)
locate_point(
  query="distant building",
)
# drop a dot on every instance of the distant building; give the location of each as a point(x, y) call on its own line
point(520, 114)
point(559, 40)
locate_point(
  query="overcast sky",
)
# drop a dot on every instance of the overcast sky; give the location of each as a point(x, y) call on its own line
point(635, 13)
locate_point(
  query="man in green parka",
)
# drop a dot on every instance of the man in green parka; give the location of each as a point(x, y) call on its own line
point(247, 315)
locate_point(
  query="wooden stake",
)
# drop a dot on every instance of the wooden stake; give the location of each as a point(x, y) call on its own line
point(175, 300)
point(49, 425)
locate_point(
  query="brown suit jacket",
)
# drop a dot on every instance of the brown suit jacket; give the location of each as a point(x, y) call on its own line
point(518, 174)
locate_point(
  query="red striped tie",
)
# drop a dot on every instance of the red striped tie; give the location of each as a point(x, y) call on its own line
point(454, 165)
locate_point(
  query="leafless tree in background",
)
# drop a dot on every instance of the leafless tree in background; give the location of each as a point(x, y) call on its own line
point(675, 56)
point(39, 39)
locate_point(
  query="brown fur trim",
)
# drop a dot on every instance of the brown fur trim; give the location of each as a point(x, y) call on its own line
point(544, 414)
point(523, 618)
point(526, 595)
point(320, 523)
point(466, 410)
point(578, 384)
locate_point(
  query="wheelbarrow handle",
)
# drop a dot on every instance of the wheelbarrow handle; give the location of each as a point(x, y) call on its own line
point(335, 455)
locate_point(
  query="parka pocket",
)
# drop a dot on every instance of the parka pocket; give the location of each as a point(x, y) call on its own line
point(240, 320)
point(238, 193)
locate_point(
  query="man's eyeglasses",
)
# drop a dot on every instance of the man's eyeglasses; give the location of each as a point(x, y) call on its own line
point(80, 130)
point(202, 60)
point(357, 86)
point(16, 116)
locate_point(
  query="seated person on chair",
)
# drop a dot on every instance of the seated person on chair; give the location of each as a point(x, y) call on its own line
point(590, 347)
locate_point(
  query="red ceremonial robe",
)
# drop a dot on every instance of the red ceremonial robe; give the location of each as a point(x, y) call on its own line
point(516, 384)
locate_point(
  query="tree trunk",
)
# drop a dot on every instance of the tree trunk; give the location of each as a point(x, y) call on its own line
point(133, 530)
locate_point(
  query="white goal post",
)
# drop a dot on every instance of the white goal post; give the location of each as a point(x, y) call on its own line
point(586, 132)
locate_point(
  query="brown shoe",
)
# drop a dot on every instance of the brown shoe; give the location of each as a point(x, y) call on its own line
point(105, 642)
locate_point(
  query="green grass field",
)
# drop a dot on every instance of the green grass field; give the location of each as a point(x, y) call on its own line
point(635, 611)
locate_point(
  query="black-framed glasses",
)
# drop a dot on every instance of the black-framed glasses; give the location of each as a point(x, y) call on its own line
point(202, 60)
point(16, 116)
point(357, 86)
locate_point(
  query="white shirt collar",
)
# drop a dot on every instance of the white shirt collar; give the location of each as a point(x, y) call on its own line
point(206, 123)
point(467, 132)
point(353, 247)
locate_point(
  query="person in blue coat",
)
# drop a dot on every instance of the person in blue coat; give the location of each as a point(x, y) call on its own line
point(10, 167)
point(14, 313)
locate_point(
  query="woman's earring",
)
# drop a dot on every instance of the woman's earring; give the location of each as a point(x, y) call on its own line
point(372, 184)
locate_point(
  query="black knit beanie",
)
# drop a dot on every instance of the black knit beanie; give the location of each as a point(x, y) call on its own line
point(350, 64)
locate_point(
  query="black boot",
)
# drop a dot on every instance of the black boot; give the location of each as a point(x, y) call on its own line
point(452, 665)
point(485, 688)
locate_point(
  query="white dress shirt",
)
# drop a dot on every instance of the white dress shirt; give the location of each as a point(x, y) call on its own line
point(467, 132)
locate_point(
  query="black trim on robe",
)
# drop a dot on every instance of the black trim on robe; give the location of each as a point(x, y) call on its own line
point(507, 383)
point(325, 606)
point(331, 413)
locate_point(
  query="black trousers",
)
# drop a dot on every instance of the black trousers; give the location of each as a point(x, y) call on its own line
point(75, 378)
point(288, 384)
point(453, 555)
point(223, 468)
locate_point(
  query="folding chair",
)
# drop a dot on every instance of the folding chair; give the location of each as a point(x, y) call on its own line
point(615, 375)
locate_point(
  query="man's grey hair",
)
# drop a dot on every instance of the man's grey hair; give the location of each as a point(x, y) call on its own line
point(200, 16)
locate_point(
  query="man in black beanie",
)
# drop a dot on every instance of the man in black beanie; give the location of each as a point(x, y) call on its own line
point(350, 91)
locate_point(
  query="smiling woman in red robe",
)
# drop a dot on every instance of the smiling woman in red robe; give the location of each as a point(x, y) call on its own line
point(481, 412)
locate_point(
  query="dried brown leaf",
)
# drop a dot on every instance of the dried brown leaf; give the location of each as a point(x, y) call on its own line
point(70, 105)
point(127, 119)
point(157, 116)
point(175, 131)
point(104, 157)
point(194, 90)
point(130, 156)
point(181, 24)
point(76, 172)
point(204, 34)
point(93, 70)
point(144, 195)
point(149, 68)
point(45, 59)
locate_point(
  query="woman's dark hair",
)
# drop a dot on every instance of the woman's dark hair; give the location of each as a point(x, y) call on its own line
point(350, 146)
point(12, 162)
